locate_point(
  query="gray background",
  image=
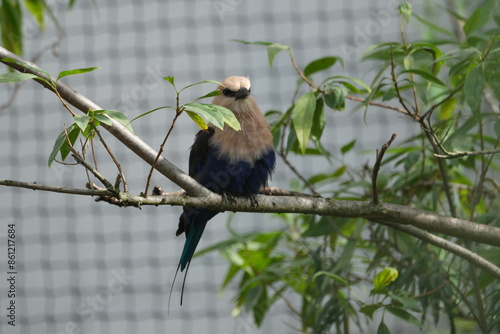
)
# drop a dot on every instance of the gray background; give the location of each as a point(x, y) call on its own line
point(70, 249)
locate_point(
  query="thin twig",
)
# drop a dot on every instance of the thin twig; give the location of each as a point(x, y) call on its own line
point(122, 175)
point(445, 283)
point(162, 147)
point(460, 154)
point(414, 89)
point(376, 167)
point(297, 173)
point(56, 189)
point(96, 173)
point(381, 105)
point(396, 88)
point(429, 112)
point(429, 132)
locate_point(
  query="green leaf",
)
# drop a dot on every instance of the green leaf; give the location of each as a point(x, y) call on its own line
point(383, 51)
point(273, 50)
point(389, 94)
point(61, 145)
point(474, 87)
point(252, 43)
point(405, 9)
point(446, 109)
point(215, 114)
point(336, 96)
point(16, 77)
point(104, 119)
point(208, 112)
point(75, 72)
point(229, 117)
point(370, 309)
point(253, 297)
point(346, 256)
point(321, 65)
point(261, 308)
point(357, 81)
point(82, 121)
point(385, 277)
point(11, 26)
point(302, 116)
point(347, 147)
point(412, 159)
point(434, 27)
point(119, 117)
point(497, 128)
point(319, 120)
point(425, 75)
point(321, 228)
point(31, 67)
point(197, 119)
point(402, 314)
point(382, 328)
point(408, 62)
point(332, 276)
point(211, 94)
point(479, 17)
point(171, 80)
point(36, 8)
point(199, 83)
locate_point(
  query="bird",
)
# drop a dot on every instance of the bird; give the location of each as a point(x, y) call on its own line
point(227, 162)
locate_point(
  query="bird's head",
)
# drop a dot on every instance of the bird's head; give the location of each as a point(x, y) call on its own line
point(233, 89)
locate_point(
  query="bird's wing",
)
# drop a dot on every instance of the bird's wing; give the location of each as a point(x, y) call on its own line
point(199, 151)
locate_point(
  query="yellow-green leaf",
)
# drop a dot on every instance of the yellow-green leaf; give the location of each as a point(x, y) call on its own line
point(385, 277)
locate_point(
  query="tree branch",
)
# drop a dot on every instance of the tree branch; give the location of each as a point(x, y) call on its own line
point(383, 212)
point(131, 141)
point(449, 246)
point(376, 167)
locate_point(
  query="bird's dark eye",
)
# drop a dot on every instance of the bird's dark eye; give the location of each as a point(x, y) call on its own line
point(228, 92)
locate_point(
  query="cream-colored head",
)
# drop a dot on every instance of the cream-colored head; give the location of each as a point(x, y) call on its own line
point(233, 89)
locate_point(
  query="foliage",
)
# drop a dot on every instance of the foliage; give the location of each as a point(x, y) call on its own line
point(321, 267)
point(12, 19)
point(335, 272)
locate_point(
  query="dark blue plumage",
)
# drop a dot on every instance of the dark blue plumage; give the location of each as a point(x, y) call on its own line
point(227, 162)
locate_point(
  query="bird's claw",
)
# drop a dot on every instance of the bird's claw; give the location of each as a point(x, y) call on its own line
point(253, 201)
point(228, 198)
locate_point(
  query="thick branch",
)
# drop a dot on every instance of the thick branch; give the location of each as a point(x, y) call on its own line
point(131, 141)
point(390, 213)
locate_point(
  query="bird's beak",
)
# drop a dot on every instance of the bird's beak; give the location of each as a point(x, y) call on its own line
point(241, 93)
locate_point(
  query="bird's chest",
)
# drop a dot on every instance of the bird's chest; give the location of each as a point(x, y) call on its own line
point(239, 146)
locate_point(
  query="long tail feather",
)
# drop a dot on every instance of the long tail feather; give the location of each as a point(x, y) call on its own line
point(172, 287)
point(193, 238)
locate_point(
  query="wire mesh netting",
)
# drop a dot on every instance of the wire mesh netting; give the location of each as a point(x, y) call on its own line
point(86, 267)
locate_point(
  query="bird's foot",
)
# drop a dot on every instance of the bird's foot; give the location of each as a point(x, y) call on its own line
point(253, 200)
point(228, 198)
